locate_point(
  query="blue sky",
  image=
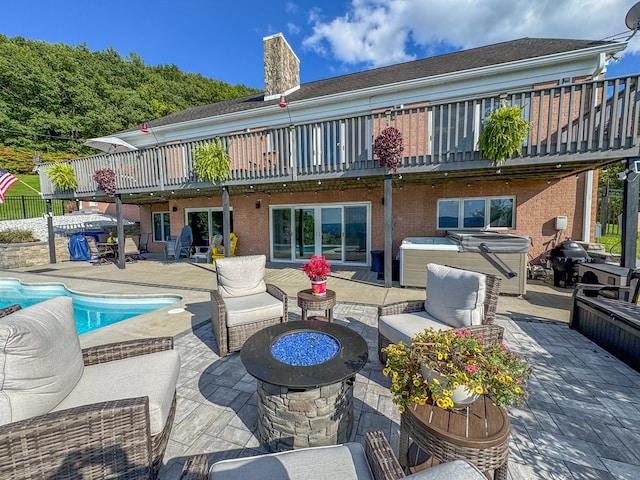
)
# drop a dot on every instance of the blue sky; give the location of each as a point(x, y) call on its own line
point(223, 39)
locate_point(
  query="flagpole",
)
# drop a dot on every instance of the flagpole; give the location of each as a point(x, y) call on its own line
point(37, 191)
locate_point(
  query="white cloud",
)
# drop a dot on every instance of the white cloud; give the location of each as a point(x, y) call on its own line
point(293, 28)
point(382, 32)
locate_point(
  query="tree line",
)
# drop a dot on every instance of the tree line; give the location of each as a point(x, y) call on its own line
point(55, 96)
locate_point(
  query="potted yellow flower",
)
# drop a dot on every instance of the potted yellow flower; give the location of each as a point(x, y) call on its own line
point(445, 366)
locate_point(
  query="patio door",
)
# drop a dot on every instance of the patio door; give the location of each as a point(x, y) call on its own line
point(205, 222)
point(339, 232)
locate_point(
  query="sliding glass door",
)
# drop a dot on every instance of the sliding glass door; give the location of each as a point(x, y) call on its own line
point(205, 223)
point(339, 232)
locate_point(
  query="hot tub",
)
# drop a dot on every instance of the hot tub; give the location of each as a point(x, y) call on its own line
point(500, 254)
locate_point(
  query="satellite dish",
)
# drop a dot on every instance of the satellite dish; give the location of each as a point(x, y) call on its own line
point(632, 20)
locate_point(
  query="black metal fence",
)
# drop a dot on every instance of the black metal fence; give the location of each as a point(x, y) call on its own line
point(16, 208)
point(610, 209)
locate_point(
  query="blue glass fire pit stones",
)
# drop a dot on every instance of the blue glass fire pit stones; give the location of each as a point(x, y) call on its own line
point(303, 349)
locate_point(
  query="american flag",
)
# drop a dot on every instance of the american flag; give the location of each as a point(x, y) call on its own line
point(6, 182)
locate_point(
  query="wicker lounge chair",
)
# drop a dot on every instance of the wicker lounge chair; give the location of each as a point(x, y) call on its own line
point(10, 309)
point(243, 303)
point(348, 461)
point(407, 318)
point(108, 431)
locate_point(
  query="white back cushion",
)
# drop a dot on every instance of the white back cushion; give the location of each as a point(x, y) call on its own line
point(40, 359)
point(241, 276)
point(455, 296)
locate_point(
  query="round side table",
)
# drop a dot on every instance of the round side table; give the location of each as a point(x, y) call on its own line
point(479, 433)
point(307, 301)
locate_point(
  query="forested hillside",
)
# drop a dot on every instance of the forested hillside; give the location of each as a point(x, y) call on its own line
point(55, 96)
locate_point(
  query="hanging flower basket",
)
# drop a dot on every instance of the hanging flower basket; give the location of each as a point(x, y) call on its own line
point(106, 180)
point(388, 148)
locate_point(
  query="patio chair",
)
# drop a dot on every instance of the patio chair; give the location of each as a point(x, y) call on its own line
point(99, 255)
point(243, 303)
point(204, 252)
point(348, 461)
point(9, 309)
point(184, 242)
point(143, 243)
point(72, 413)
point(131, 250)
point(170, 247)
point(219, 251)
point(455, 298)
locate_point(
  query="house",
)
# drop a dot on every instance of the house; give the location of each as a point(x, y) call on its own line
point(304, 178)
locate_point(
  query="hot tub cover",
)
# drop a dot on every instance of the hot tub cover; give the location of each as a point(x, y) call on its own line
point(471, 241)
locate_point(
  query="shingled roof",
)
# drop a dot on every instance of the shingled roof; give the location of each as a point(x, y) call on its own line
point(497, 54)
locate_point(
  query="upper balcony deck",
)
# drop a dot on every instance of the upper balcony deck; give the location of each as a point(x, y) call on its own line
point(582, 123)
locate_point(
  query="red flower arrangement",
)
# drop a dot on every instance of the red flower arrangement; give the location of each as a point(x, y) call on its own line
point(317, 268)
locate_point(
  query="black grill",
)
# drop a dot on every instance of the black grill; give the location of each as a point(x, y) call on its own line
point(565, 260)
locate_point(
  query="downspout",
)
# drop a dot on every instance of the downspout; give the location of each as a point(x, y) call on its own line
point(588, 200)
point(601, 66)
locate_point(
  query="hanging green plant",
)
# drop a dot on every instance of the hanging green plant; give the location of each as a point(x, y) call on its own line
point(503, 134)
point(62, 176)
point(212, 161)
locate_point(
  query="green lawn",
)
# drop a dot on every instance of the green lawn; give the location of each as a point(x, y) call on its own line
point(20, 188)
point(613, 244)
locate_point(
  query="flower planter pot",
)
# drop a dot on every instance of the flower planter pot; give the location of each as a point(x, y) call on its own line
point(461, 397)
point(319, 288)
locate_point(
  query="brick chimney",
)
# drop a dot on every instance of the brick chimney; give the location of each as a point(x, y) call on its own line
point(281, 67)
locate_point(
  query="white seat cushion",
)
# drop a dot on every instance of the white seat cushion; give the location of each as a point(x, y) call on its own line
point(154, 375)
point(252, 308)
point(455, 470)
point(241, 276)
point(454, 296)
point(40, 359)
point(404, 326)
point(344, 462)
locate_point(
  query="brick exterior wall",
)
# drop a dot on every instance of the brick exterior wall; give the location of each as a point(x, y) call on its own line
point(538, 203)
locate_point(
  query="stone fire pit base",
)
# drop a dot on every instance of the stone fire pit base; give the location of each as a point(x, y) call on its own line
point(298, 418)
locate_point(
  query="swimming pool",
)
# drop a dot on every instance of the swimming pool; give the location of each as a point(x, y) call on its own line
point(92, 311)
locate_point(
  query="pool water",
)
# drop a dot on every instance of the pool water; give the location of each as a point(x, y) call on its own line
point(92, 311)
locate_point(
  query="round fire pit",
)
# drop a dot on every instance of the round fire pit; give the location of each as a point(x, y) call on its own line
point(305, 372)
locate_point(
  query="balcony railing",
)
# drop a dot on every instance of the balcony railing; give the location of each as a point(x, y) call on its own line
point(597, 118)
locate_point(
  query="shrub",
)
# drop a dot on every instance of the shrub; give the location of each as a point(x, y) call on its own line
point(17, 235)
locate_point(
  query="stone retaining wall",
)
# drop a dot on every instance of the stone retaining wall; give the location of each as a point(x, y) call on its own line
point(18, 255)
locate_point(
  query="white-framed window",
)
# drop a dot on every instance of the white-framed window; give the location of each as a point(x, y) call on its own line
point(161, 226)
point(476, 213)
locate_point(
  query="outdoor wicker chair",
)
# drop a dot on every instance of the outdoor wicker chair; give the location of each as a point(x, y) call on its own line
point(10, 309)
point(243, 303)
point(458, 298)
point(106, 414)
point(349, 461)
